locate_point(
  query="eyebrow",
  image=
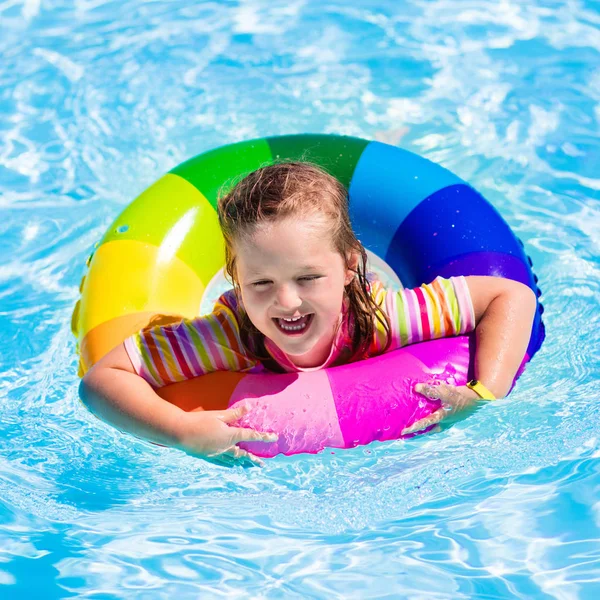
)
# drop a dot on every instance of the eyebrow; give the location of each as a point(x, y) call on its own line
point(255, 273)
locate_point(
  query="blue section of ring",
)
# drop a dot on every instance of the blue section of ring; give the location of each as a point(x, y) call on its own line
point(388, 183)
point(451, 222)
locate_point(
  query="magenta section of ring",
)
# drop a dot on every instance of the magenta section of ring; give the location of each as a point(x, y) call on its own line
point(375, 398)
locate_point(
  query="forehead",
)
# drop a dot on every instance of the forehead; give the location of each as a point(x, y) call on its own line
point(293, 242)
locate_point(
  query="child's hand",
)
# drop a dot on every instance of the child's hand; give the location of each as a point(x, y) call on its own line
point(208, 435)
point(454, 400)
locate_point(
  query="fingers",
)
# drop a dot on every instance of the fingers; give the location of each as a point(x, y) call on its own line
point(233, 456)
point(432, 419)
point(450, 396)
point(245, 434)
point(238, 453)
point(455, 401)
point(425, 390)
point(231, 415)
point(434, 392)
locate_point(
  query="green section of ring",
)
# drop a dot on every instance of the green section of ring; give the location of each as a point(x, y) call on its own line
point(174, 216)
point(336, 154)
point(219, 168)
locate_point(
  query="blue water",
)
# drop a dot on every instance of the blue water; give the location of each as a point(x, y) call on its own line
point(98, 99)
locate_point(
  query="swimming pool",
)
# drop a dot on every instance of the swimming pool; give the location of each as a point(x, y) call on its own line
point(97, 99)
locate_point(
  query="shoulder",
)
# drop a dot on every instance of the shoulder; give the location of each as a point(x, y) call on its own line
point(228, 306)
point(227, 300)
point(374, 283)
point(376, 288)
point(229, 311)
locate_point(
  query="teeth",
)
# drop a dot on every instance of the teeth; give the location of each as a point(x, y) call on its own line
point(293, 328)
point(285, 324)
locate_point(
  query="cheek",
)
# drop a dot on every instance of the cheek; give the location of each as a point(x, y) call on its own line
point(331, 300)
point(254, 305)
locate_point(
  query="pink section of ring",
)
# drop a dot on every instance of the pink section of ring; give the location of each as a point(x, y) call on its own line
point(300, 409)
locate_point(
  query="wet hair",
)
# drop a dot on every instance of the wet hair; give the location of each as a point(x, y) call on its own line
point(300, 189)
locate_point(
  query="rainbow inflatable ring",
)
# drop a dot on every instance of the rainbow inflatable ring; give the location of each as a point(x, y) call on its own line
point(165, 248)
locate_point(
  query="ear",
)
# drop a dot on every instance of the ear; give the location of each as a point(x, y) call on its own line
point(352, 262)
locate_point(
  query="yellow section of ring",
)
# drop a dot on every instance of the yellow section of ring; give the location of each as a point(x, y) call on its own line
point(128, 276)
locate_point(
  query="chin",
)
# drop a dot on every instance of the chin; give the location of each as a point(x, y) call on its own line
point(298, 355)
point(295, 351)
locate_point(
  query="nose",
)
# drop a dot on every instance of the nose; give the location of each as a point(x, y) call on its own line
point(287, 297)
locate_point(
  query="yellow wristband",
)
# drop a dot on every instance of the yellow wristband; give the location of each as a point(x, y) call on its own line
point(480, 390)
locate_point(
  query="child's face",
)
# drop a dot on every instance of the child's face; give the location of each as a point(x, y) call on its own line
point(289, 269)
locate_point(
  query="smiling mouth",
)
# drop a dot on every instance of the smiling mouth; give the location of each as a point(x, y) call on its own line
point(294, 326)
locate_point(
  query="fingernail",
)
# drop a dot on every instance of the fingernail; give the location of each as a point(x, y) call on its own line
point(419, 387)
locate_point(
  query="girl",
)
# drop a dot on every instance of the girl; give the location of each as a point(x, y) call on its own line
point(300, 301)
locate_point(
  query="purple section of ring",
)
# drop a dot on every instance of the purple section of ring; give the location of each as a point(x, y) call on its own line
point(496, 264)
point(376, 401)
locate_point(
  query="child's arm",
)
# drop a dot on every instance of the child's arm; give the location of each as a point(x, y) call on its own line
point(504, 312)
point(114, 392)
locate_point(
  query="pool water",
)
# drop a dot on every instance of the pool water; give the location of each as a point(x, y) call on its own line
point(98, 99)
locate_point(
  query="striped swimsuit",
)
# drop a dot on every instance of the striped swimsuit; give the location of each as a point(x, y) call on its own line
point(192, 347)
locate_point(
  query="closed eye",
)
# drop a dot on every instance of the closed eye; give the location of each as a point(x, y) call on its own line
point(265, 282)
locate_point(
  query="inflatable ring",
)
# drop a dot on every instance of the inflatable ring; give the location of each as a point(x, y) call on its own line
point(421, 219)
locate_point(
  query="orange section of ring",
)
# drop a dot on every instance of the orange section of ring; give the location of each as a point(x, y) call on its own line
point(209, 392)
point(103, 338)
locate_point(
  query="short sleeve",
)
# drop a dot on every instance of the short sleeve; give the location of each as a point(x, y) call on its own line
point(442, 308)
point(190, 347)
